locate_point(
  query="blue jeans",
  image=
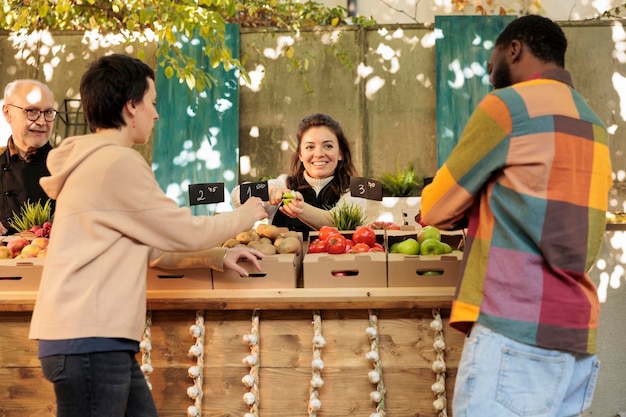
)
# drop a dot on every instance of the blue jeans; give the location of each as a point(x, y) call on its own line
point(103, 384)
point(499, 377)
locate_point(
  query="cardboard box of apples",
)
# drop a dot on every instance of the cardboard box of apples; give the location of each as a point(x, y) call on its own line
point(21, 262)
point(424, 258)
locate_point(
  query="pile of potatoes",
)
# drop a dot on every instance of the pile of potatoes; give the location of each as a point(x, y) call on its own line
point(268, 239)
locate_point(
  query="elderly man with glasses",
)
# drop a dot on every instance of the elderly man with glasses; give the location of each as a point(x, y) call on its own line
point(29, 109)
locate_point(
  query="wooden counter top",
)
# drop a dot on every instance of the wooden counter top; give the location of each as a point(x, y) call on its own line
point(273, 299)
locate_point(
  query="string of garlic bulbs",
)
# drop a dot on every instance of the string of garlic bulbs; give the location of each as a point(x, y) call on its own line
point(195, 372)
point(146, 347)
point(375, 376)
point(439, 365)
point(317, 364)
point(251, 380)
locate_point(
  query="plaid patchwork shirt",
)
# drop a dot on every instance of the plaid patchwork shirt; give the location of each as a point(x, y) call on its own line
point(531, 174)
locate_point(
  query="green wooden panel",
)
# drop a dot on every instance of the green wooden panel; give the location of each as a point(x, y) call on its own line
point(196, 139)
point(462, 48)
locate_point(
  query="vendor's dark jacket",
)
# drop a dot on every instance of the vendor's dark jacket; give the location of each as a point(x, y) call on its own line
point(19, 182)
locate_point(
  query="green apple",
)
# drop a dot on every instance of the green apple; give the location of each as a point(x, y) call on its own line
point(428, 232)
point(408, 246)
point(288, 196)
point(445, 248)
point(431, 247)
point(394, 247)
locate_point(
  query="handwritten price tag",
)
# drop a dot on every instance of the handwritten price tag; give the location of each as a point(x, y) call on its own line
point(254, 189)
point(366, 188)
point(208, 193)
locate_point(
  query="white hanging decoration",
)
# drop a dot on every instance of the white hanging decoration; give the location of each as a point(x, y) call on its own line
point(375, 376)
point(317, 365)
point(439, 366)
point(195, 371)
point(146, 347)
point(251, 380)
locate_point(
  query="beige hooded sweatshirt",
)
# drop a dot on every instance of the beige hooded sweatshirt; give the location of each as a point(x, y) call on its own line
point(111, 220)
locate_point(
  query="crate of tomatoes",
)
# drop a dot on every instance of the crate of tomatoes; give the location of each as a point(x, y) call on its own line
point(345, 258)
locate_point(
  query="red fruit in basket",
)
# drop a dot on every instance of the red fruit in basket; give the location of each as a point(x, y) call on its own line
point(317, 246)
point(360, 248)
point(336, 244)
point(16, 245)
point(326, 231)
point(377, 248)
point(349, 245)
point(364, 234)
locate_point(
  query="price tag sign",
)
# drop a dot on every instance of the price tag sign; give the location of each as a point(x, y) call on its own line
point(366, 188)
point(208, 193)
point(254, 189)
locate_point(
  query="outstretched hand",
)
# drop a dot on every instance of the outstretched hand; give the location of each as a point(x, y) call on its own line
point(295, 207)
point(233, 255)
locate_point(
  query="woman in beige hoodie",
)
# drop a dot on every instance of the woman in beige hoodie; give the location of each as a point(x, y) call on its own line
point(111, 221)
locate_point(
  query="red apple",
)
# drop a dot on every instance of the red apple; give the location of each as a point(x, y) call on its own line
point(42, 242)
point(16, 245)
point(30, 251)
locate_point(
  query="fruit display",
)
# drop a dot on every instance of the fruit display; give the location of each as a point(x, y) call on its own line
point(268, 239)
point(21, 248)
point(331, 240)
point(426, 241)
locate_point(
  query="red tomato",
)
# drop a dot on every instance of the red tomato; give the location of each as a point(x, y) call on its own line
point(349, 245)
point(336, 243)
point(317, 246)
point(360, 248)
point(326, 231)
point(377, 248)
point(364, 234)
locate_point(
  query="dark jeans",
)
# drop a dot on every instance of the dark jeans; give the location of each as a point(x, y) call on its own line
point(103, 384)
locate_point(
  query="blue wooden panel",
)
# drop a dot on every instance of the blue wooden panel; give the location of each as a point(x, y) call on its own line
point(462, 49)
point(196, 139)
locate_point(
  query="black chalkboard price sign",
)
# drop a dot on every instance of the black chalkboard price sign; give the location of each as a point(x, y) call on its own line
point(208, 193)
point(254, 189)
point(366, 188)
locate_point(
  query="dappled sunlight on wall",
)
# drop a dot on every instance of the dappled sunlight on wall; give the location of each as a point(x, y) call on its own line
point(609, 267)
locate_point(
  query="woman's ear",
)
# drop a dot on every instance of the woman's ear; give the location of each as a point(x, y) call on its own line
point(130, 108)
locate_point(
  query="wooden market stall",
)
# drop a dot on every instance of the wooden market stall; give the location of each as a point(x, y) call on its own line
point(287, 325)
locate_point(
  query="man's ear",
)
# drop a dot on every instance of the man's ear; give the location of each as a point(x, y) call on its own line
point(515, 50)
point(5, 112)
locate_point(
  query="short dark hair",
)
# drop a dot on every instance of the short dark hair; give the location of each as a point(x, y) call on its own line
point(545, 38)
point(110, 82)
point(345, 168)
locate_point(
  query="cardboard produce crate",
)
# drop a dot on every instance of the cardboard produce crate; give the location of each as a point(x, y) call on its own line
point(348, 270)
point(423, 270)
point(20, 274)
point(279, 271)
point(179, 279)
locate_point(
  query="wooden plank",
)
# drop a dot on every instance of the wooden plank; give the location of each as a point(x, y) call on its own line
point(273, 299)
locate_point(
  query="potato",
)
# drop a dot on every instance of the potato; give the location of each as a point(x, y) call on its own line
point(266, 248)
point(270, 231)
point(293, 234)
point(288, 244)
point(245, 237)
point(230, 243)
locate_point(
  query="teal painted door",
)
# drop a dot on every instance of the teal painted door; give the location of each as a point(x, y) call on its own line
point(462, 48)
point(196, 139)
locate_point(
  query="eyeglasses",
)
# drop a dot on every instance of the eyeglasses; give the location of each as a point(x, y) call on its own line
point(34, 114)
